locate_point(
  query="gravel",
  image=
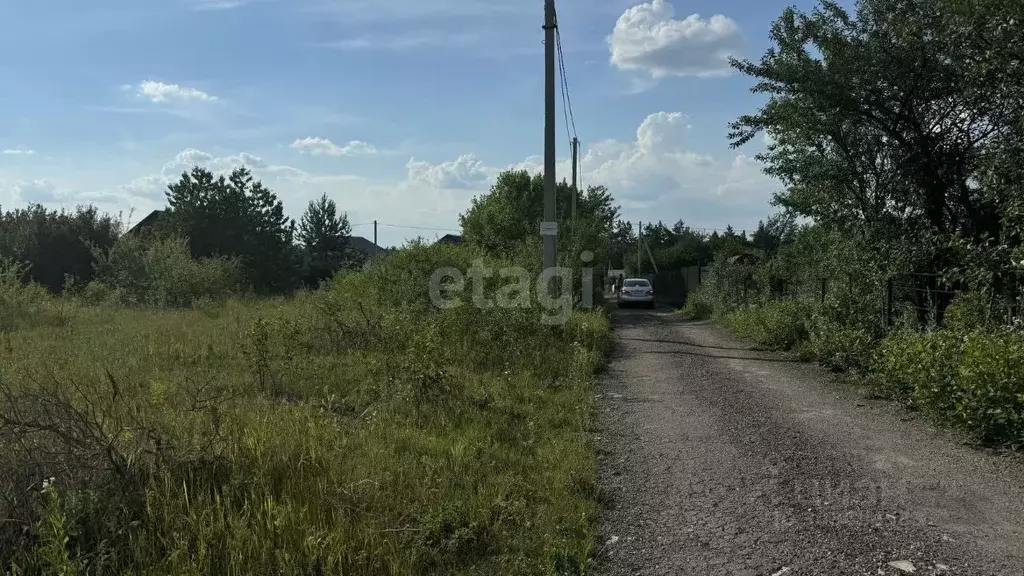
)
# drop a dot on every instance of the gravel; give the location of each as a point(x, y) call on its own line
point(715, 458)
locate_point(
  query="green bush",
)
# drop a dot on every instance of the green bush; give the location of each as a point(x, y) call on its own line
point(698, 306)
point(970, 311)
point(973, 380)
point(23, 304)
point(839, 347)
point(160, 271)
point(778, 324)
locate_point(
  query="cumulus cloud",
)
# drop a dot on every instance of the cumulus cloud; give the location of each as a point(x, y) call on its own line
point(464, 173)
point(41, 190)
point(323, 147)
point(657, 175)
point(161, 92)
point(19, 151)
point(660, 173)
point(647, 38)
point(152, 186)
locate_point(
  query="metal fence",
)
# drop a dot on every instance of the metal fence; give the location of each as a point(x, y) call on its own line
point(907, 298)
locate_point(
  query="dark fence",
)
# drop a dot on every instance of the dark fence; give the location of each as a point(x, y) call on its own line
point(671, 287)
point(908, 298)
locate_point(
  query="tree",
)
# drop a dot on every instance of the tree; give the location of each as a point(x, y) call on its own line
point(503, 220)
point(235, 217)
point(623, 244)
point(54, 244)
point(778, 231)
point(880, 121)
point(324, 235)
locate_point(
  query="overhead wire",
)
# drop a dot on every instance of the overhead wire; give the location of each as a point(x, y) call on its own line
point(567, 112)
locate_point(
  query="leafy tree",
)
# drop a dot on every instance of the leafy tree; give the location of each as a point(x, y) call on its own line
point(880, 120)
point(56, 245)
point(324, 235)
point(502, 220)
point(235, 217)
point(623, 244)
point(779, 230)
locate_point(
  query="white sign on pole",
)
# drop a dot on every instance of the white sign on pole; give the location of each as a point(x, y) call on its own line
point(549, 228)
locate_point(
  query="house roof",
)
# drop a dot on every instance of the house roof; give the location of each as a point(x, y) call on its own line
point(450, 239)
point(365, 246)
point(146, 222)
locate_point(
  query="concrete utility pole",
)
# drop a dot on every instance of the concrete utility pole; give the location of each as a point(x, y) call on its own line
point(374, 237)
point(639, 242)
point(549, 227)
point(575, 161)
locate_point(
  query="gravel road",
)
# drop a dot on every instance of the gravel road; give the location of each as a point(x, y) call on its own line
point(718, 459)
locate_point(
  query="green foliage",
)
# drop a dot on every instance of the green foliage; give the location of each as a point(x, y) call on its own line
point(355, 430)
point(235, 217)
point(501, 221)
point(24, 304)
point(55, 244)
point(972, 380)
point(324, 236)
point(839, 345)
point(160, 271)
point(970, 311)
point(779, 324)
point(698, 305)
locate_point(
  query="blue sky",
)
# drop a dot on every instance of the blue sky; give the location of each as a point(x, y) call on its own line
point(400, 110)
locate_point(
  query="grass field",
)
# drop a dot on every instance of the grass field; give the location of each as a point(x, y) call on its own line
point(353, 430)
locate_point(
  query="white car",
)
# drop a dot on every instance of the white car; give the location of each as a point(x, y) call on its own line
point(636, 291)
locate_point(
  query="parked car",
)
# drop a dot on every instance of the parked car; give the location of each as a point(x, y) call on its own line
point(636, 291)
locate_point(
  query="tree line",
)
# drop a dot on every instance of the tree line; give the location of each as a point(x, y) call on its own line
point(231, 228)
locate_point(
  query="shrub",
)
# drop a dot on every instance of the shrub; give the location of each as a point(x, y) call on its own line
point(23, 304)
point(839, 347)
point(970, 311)
point(698, 306)
point(973, 380)
point(779, 324)
point(159, 271)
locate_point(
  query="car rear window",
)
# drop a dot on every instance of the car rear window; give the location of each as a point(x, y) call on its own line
point(636, 283)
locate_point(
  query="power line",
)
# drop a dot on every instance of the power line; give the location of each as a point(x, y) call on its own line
point(408, 227)
point(567, 112)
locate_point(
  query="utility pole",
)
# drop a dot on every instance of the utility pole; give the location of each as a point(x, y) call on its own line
point(575, 161)
point(549, 227)
point(374, 237)
point(639, 242)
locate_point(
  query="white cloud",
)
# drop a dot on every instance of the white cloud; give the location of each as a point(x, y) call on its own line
point(40, 190)
point(161, 92)
point(152, 186)
point(648, 39)
point(658, 175)
point(217, 4)
point(403, 42)
point(466, 172)
point(191, 157)
point(322, 146)
point(19, 151)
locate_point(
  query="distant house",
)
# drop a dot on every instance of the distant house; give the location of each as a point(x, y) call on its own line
point(452, 239)
point(742, 259)
point(146, 223)
point(365, 247)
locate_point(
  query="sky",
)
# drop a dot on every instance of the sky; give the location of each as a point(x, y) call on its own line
point(400, 110)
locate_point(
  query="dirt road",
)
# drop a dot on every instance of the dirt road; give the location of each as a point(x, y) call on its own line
point(721, 460)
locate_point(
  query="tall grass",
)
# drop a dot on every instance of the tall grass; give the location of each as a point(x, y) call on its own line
point(355, 430)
